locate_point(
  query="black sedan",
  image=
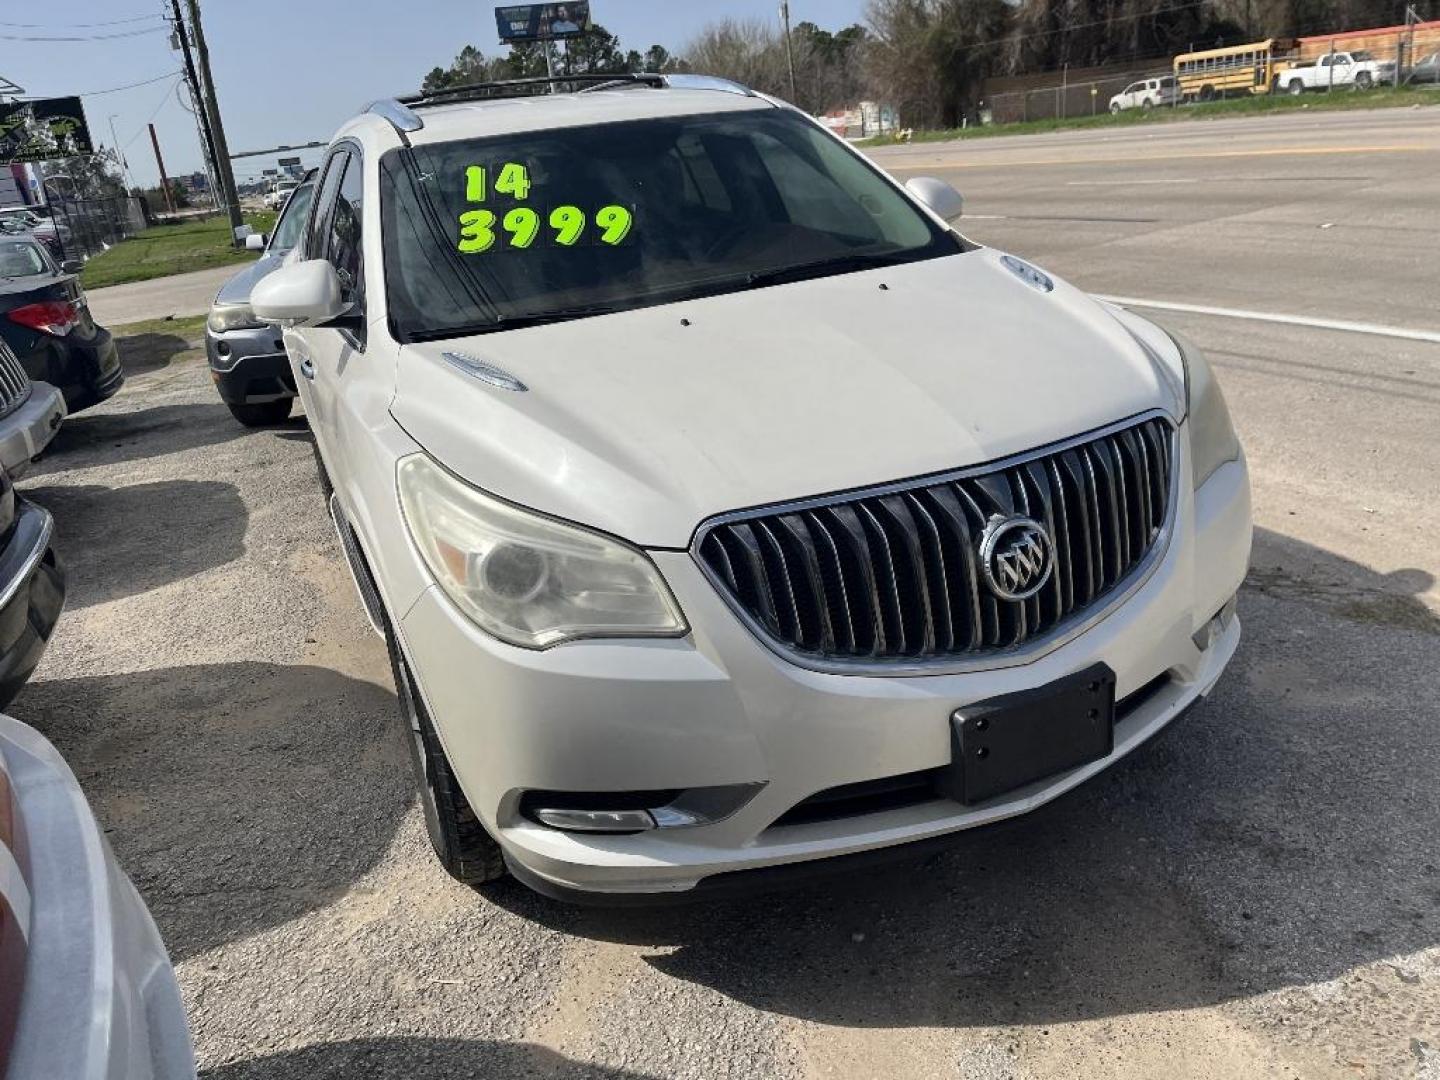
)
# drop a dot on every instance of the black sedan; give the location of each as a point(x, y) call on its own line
point(45, 320)
point(32, 588)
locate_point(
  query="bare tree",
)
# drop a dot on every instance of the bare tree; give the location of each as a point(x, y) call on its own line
point(750, 51)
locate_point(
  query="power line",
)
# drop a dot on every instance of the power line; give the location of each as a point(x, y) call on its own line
point(111, 89)
point(85, 37)
point(163, 102)
point(80, 26)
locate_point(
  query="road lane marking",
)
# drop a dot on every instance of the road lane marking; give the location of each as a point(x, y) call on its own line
point(1274, 151)
point(1218, 179)
point(1375, 329)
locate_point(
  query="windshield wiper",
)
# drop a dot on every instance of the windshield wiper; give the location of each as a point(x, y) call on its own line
point(835, 264)
point(514, 322)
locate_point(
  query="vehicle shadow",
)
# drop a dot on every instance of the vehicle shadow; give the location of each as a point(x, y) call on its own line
point(129, 540)
point(239, 796)
point(140, 353)
point(417, 1059)
point(104, 438)
point(1280, 836)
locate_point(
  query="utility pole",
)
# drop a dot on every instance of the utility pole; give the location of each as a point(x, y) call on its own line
point(207, 140)
point(164, 180)
point(789, 47)
point(207, 160)
point(211, 110)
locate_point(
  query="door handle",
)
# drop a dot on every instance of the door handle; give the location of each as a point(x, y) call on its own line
point(307, 368)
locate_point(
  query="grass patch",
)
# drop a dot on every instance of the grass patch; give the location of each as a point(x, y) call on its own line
point(189, 327)
point(1264, 103)
point(261, 220)
point(171, 249)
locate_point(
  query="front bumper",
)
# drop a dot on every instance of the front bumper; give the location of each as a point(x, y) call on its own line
point(32, 593)
point(99, 997)
point(249, 367)
point(25, 432)
point(720, 708)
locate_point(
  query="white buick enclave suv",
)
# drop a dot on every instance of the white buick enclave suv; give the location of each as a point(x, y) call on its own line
point(726, 511)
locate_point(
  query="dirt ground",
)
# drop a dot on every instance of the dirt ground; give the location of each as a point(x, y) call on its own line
point(1256, 894)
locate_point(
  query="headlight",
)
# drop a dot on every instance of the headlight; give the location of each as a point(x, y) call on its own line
point(1212, 437)
point(233, 317)
point(528, 579)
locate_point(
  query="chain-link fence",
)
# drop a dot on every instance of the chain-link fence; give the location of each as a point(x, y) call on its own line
point(85, 227)
point(1359, 62)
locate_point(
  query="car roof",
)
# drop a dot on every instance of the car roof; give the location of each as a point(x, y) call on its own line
point(484, 117)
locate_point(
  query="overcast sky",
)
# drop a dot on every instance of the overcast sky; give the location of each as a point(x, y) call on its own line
point(290, 71)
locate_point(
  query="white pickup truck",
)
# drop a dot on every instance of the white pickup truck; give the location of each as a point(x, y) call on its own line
point(1358, 69)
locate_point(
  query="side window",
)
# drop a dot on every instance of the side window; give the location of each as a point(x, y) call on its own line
point(320, 210)
point(342, 245)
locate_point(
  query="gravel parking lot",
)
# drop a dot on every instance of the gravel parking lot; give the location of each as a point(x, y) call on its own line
point(1257, 893)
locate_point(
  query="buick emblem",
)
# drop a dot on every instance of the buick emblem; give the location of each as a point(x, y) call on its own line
point(1017, 557)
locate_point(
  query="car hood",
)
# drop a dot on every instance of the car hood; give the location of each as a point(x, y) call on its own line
point(237, 289)
point(646, 422)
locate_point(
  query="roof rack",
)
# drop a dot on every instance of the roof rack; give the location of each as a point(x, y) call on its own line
point(401, 111)
point(508, 88)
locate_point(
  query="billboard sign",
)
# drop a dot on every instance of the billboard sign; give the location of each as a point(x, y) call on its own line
point(542, 22)
point(43, 130)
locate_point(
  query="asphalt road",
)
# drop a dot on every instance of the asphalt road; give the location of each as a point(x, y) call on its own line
point(178, 295)
point(1257, 894)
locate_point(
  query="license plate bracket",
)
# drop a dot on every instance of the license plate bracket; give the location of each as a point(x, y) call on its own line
point(1006, 742)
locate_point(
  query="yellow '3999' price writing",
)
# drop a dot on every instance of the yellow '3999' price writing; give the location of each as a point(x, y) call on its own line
point(520, 226)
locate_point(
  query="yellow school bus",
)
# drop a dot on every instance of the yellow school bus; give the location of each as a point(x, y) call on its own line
point(1237, 69)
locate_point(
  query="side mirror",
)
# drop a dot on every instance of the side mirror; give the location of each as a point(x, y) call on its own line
point(71, 266)
point(255, 242)
point(939, 196)
point(301, 294)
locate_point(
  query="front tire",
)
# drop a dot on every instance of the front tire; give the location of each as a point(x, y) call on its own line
point(462, 845)
point(1364, 80)
point(263, 414)
point(1296, 88)
point(1114, 109)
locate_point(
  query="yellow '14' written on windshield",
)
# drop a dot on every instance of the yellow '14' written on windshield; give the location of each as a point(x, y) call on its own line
point(516, 229)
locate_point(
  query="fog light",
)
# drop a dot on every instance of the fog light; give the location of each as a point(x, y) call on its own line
point(635, 811)
point(604, 821)
point(1207, 634)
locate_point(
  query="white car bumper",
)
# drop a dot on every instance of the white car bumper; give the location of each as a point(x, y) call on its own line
point(720, 708)
point(98, 998)
point(25, 432)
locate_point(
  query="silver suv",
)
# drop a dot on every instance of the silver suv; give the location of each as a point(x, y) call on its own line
point(726, 512)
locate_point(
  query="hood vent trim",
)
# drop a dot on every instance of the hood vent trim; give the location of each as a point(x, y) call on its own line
point(483, 372)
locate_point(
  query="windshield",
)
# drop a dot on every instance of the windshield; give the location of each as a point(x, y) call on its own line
point(292, 222)
point(492, 234)
point(1361, 56)
point(21, 258)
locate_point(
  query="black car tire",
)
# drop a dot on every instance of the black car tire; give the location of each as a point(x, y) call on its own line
point(464, 848)
point(263, 414)
point(1364, 80)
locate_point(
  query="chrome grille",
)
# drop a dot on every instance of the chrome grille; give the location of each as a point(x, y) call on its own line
point(14, 383)
point(893, 575)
